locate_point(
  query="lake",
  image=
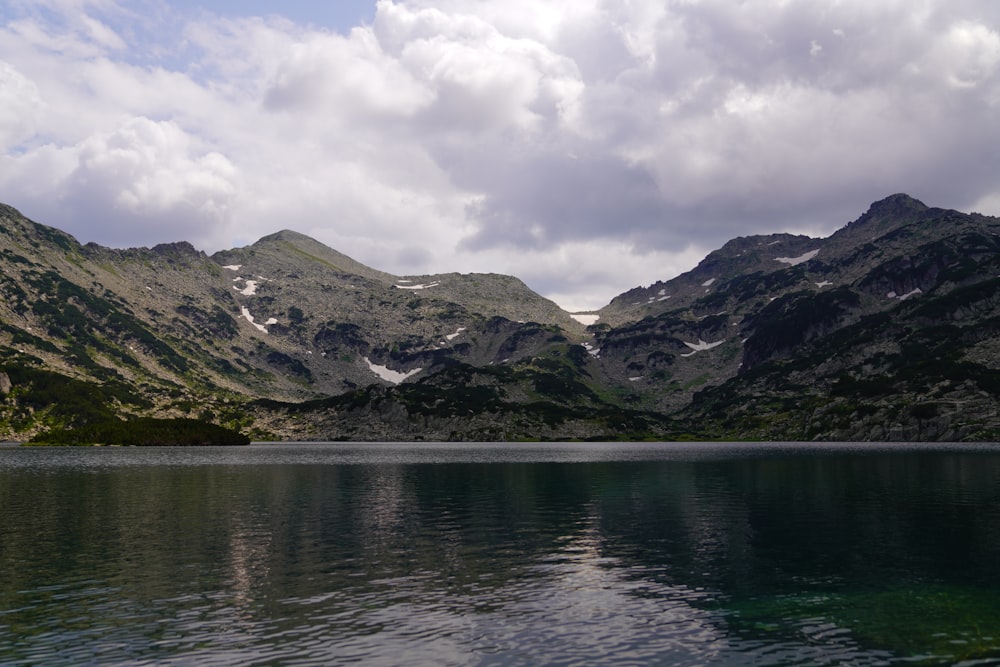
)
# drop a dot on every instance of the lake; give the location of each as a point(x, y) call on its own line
point(548, 554)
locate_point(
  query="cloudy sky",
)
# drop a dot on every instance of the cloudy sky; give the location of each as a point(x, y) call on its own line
point(585, 146)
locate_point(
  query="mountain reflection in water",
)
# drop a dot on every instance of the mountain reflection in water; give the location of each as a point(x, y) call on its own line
point(512, 555)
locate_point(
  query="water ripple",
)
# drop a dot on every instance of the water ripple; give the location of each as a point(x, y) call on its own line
point(561, 555)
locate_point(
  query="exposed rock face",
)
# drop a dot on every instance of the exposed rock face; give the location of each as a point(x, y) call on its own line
point(888, 329)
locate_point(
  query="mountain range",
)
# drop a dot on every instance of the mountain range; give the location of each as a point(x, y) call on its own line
point(885, 330)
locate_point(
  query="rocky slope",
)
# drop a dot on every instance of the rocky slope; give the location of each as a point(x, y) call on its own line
point(170, 331)
point(885, 330)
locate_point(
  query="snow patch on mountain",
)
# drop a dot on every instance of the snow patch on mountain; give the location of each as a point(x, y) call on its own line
point(388, 374)
point(417, 287)
point(249, 289)
point(700, 346)
point(586, 319)
point(904, 297)
point(795, 261)
point(245, 312)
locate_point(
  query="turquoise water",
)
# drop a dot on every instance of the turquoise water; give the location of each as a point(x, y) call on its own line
point(554, 554)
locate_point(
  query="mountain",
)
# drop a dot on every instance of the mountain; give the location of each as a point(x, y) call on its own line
point(88, 331)
point(885, 330)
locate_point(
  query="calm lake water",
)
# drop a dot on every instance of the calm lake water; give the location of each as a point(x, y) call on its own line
point(555, 554)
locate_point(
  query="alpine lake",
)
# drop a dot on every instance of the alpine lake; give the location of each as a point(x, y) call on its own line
point(501, 554)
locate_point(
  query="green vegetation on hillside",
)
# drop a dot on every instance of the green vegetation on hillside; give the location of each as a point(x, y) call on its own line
point(145, 431)
point(49, 397)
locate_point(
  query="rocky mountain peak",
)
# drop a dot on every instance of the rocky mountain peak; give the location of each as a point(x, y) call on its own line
point(177, 249)
point(286, 235)
point(889, 213)
point(289, 248)
point(899, 203)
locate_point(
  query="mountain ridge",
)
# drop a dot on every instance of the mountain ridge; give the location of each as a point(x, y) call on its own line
point(289, 339)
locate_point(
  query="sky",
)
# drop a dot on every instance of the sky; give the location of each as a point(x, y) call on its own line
point(584, 146)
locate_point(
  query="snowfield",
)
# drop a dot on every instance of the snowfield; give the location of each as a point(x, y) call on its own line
point(249, 290)
point(249, 318)
point(388, 374)
point(700, 346)
point(586, 319)
point(904, 297)
point(795, 261)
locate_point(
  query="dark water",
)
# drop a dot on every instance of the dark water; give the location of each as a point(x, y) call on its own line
point(500, 555)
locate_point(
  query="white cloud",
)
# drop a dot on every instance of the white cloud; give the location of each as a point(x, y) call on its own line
point(20, 105)
point(347, 77)
point(586, 146)
point(481, 79)
point(536, 21)
point(146, 181)
point(151, 167)
point(78, 30)
point(965, 56)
